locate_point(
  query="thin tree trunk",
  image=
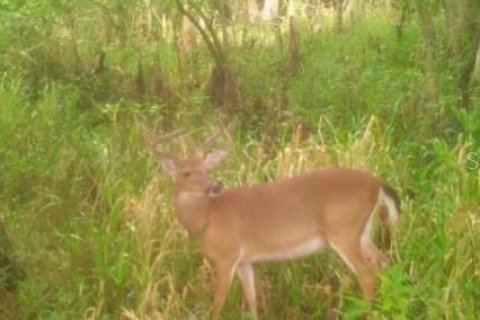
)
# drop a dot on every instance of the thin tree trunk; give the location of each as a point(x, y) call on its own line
point(186, 41)
point(223, 87)
point(476, 69)
point(428, 28)
point(352, 11)
point(404, 16)
point(339, 15)
point(466, 38)
point(455, 11)
point(252, 10)
point(465, 80)
point(270, 10)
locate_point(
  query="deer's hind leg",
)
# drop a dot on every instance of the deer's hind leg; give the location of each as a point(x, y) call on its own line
point(350, 250)
point(370, 252)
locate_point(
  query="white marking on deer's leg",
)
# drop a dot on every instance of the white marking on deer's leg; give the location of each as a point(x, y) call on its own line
point(247, 278)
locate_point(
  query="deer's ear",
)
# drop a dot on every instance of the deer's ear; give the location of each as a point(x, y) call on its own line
point(168, 164)
point(214, 158)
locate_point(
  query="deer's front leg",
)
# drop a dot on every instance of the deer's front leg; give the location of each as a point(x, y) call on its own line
point(247, 278)
point(225, 271)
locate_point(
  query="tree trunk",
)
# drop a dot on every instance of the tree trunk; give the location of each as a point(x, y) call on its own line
point(252, 10)
point(292, 8)
point(428, 28)
point(270, 10)
point(352, 11)
point(187, 40)
point(476, 69)
point(406, 12)
point(463, 18)
point(455, 18)
point(339, 15)
point(223, 87)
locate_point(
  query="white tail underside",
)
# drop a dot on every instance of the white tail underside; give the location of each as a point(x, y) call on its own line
point(389, 202)
point(392, 211)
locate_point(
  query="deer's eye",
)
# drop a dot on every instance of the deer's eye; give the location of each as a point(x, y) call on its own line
point(186, 174)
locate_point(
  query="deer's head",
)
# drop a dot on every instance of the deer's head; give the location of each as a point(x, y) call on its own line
point(193, 175)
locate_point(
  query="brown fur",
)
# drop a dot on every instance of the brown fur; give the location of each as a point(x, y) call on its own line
point(280, 220)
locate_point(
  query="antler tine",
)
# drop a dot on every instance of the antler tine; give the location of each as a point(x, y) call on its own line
point(229, 130)
point(191, 142)
point(171, 135)
point(207, 143)
point(210, 140)
point(152, 140)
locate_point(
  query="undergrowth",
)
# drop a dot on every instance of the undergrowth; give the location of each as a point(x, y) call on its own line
point(91, 218)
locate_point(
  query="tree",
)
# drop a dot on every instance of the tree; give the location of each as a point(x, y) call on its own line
point(270, 10)
point(476, 69)
point(463, 22)
point(223, 87)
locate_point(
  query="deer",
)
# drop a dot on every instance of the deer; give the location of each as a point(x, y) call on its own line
point(282, 220)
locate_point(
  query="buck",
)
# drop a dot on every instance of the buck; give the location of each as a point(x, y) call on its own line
point(283, 220)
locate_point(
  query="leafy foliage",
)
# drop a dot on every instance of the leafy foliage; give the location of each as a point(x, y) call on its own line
point(90, 217)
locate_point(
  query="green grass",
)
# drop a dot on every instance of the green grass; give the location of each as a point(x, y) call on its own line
point(91, 217)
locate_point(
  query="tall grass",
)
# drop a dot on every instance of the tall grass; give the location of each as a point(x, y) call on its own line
point(91, 218)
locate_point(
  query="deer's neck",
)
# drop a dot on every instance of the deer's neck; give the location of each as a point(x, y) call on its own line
point(192, 210)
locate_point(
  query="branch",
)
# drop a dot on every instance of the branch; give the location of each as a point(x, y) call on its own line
point(211, 43)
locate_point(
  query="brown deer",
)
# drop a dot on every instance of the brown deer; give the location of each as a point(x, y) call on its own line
point(283, 220)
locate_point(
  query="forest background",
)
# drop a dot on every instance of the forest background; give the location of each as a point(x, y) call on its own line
point(387, 86)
